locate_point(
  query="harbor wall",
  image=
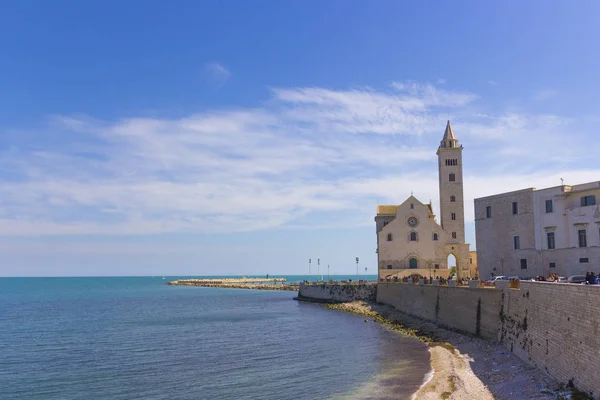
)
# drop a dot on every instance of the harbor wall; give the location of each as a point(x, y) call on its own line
point(337, 293)
point(555, 327)
point(475, 311)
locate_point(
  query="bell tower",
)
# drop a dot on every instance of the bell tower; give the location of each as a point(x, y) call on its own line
point(452, 207)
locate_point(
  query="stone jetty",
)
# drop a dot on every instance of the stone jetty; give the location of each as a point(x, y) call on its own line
point(239, 283)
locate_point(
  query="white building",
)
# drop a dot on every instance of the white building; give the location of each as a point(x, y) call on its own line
point(535, 232)
point(409, 239)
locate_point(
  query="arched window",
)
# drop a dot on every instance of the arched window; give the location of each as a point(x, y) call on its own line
point(452, 177)
point(435, 236)
point(452, 198)
point(389, 237)
point(413, 236)
point(412, 263)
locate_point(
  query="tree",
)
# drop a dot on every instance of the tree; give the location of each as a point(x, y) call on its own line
point(452, 271)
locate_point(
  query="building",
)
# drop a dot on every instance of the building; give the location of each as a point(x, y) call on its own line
point(532, 232)
point(473, 270)
point(410, 240)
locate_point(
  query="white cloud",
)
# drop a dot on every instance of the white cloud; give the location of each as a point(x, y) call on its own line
point(216, 73)
point(310, 157)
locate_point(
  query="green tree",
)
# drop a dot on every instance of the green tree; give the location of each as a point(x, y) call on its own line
point(452, 271)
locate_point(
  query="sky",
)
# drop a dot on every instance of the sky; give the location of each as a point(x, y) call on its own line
point(229, 137)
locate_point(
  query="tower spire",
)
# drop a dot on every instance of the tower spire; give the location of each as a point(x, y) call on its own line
point(448, 134)
point(449, 139)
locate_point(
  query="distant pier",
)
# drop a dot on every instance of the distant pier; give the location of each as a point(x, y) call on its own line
point(239, 283)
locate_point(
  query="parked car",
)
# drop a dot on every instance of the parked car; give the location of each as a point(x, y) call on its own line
point(513, 278)
point(563, 279)
point(494, 279)
point(576, 279)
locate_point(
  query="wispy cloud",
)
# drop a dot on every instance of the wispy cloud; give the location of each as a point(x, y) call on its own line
point(216, 73)
point(545, 94)
point(309, 157)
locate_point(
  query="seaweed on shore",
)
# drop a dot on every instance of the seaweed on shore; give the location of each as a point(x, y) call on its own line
point(366, 309)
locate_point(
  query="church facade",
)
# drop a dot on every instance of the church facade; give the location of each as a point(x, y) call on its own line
point(409, 238)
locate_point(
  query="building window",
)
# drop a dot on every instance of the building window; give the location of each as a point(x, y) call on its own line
point(436, 266)
point(582, 238)
point(412, 206)
point(389, 266)
point(470, 260)
point(451, 161)
point(523, 263)
point(389, 237)
point(453, 216)
point(452, 177)
point(551, 244)
point(435, 236)
point(552, 265)
point(488, 212)
point(584, 260)
point(452, 199)
point(412, 263)
point(413, 236)
point(588, 200)
point(517, 242)
point(515, 208)
point(549, 206)
point(385, 223)
point(453, 235)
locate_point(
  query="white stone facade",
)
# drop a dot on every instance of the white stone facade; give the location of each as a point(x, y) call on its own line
point(409, 237)
point(558, 230)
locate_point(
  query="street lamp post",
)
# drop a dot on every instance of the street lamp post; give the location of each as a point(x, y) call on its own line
point(309, 269)
point(328, 278)
point(318, 268)
point(356, 269)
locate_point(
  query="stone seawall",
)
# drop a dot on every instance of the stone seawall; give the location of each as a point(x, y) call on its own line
point(555, 327)
point(473, 311)
point(336, 293)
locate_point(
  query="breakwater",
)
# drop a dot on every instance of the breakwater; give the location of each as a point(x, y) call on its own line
point(238, 283)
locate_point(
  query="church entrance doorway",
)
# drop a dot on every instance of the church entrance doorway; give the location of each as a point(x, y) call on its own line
point(413, 264)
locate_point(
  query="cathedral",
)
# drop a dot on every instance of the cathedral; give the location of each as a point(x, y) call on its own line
point(410, 240)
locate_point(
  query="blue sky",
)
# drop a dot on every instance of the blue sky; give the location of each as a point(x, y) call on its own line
point(222, 137)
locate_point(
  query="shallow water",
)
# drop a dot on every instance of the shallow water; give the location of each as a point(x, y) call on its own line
point(123, 338)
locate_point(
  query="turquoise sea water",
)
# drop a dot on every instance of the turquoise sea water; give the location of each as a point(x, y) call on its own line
point(135, 338)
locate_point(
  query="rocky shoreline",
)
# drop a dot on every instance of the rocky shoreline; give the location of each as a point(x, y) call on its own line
point(236, 284)
point(464, 367)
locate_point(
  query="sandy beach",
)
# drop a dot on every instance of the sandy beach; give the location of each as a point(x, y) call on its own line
point(464, 367)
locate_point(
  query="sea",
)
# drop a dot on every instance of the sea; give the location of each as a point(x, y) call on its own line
point(136, 338)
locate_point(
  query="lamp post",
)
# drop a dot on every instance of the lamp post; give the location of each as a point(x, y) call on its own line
point(328, 278)
point(318, 268)
point(309, 269)
point(356, 269)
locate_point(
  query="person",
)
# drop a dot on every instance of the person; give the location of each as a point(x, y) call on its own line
point(593, 278)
